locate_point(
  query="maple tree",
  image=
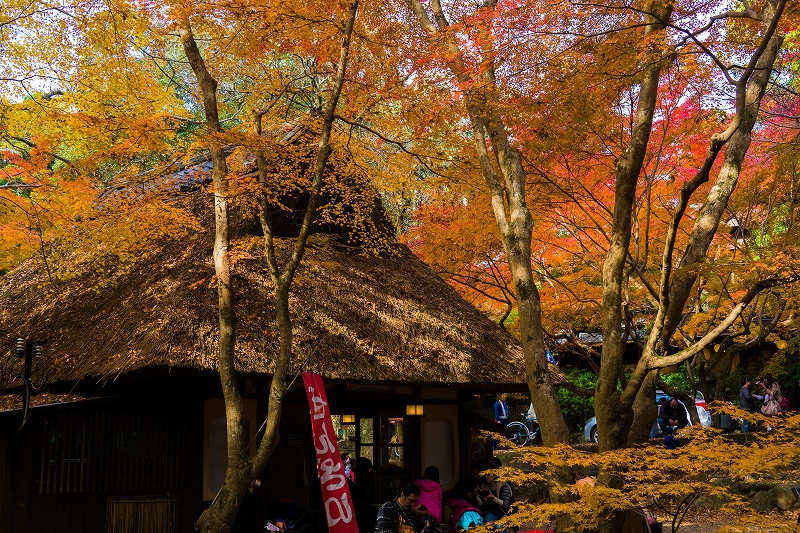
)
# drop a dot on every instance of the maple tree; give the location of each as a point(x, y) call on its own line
point(675, 286)
point(473, 67)
point(242, 470)
point(77, 115)
point(620, 204)
point(461, 243)
point(708, 467)
point(626, 178)
point(142, 147)
point(609, 119)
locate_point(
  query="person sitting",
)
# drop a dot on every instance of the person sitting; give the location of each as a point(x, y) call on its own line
point(464, 487)
point(348, 469)
point(672, 416)
point(464, 515)
point(496, 500)
point(395, 516)
point(430, 495)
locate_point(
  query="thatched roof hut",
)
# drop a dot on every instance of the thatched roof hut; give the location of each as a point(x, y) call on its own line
point(384, 319)
point(128, 372)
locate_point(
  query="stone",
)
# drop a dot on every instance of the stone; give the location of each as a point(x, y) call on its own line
point(784, 497)
point(708, 501)
point(722, 482)
point(754, 487)
point(763, 501)
point(726, 482)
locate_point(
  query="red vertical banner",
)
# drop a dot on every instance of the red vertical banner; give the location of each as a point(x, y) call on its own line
point(332, 481)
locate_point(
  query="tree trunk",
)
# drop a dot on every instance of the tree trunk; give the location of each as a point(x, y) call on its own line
point(750, 91)
point(219, 517)
point(282, 277)
point(675, 288)
point(241, 470)
point(613, 418)
point(505, 177)
point(644, 410)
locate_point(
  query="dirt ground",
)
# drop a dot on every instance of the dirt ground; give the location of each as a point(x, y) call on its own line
point(710, 521)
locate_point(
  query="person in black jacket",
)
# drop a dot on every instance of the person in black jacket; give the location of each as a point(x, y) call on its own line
point(672, 416)
point(361, 490)
point(398, 511)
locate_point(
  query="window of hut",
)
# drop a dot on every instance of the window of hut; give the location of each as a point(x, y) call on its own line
point(386, 441)
point(345, 435)
point(394, 455)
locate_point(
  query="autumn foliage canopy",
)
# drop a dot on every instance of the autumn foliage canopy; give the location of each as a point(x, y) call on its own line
point(618, 170)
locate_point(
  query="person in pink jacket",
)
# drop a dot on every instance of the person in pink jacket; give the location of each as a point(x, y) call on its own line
point(430, 495)
point(464, 514)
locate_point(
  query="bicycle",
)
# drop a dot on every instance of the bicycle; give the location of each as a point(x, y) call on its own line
point(525, 432)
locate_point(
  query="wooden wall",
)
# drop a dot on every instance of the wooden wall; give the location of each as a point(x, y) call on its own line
point(49, 447)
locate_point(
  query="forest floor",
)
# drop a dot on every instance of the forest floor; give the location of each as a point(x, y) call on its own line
point(700, 520)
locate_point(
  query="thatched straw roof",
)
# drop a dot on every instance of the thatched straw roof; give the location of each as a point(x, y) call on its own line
point(10, 402)
point(357, 318)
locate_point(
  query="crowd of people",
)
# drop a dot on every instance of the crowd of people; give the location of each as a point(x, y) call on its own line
point(481, 497)
point(476, 499)
point(765, 397)
point(768, 393)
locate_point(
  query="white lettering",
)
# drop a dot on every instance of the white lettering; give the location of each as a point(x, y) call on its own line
point(319, 405)
point(342, 508)
point(325, 442)
point(328, 474)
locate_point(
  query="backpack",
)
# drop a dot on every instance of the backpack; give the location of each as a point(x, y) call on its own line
point(784, 403)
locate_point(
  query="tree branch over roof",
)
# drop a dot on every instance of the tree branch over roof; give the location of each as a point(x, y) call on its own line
point(394, 142)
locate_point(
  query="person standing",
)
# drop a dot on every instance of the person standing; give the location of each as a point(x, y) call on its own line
point(772, 395)
point(746, 403)
point(501, 410)
point(362, 492)
point(500, 414)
